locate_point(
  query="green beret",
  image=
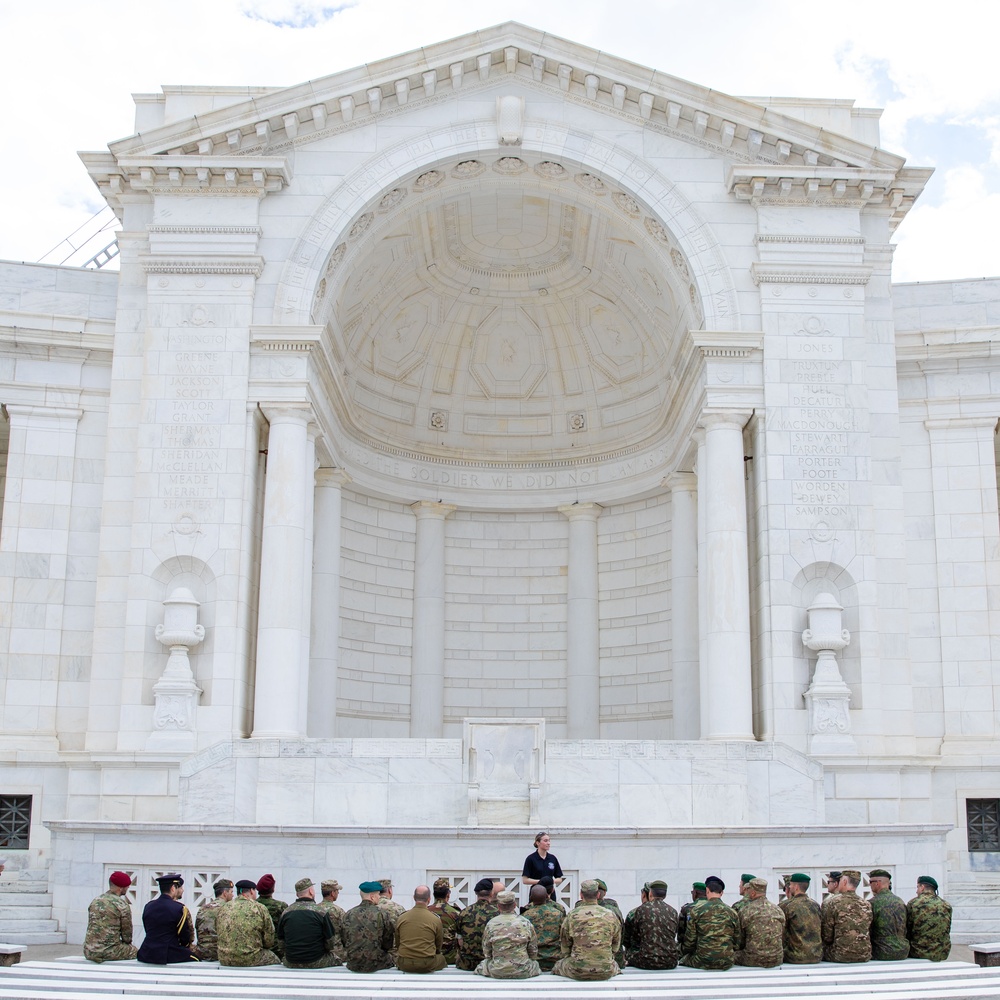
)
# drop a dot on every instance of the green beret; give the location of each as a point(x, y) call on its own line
point(698, 885)
point(658, 884)
point(928, 880)
point(367, 887)
point(879, 873)
point(601, 884)
point(747, 878)
point(799, 877)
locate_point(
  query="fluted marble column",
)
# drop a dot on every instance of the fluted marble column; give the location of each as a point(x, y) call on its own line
point(684, 611)
point(427, 666)
point(727, 590)
point(583, 653)
point(283, 543)
point(325, 647)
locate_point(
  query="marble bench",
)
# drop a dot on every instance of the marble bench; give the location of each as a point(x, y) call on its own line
point(10, 954)
point(987, 955)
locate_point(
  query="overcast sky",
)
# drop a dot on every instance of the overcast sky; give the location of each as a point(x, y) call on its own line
point(69, 69)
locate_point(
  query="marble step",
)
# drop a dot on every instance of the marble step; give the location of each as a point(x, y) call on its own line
point(34, 937)
point(75, 979)
point(40, 925)
point(25, 900)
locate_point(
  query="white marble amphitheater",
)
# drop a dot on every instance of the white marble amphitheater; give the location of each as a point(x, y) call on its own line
point(498, 437)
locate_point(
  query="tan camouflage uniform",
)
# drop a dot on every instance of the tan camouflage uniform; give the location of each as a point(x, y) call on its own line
point(762, 931)
point(208, 937)
point(591, 934)
point(245, 933)
point(109, 929)
point(510, 948)
point(846, 928)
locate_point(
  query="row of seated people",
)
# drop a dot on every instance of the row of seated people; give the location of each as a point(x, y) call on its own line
point(245, 926)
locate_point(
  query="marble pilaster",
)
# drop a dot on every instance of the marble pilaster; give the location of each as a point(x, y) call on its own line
point(684, 604)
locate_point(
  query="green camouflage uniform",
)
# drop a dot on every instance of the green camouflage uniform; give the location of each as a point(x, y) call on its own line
point(274, 907)
point(846, 928)
point(710, 937)
point(651, 936)
point(368, 934)
point(590, 936)
point(448, 913)
point(510, 948)
point(803, 942)
point(682, 917)
point(928, 926)
point(888, 932)
point(547, 919)
point(245, 934)
point(109, 929)
point(208, 937)
point(762, 931)
point(469, 927)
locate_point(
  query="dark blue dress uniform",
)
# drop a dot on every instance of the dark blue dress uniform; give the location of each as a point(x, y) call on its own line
point(169, 928)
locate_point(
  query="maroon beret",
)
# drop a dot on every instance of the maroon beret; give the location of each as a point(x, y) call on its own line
point(265, 883)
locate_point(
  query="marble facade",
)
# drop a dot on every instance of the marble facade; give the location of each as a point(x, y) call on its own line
point(498, 436)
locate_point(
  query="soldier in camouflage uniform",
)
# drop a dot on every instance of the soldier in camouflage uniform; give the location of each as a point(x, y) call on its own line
point(274, 907)
point(603, 899)
point(448, 914)
point(651, 931)
point(590, 936)
point(109, 924)
point(547, 917)
point(395, 910)
point(762, 929)
point(928, 922)
point(889, 943)
point(331, 890)
point(245, 932)
point(745, 880)
point(847, 922)
point(832, 885)
point(697, 896)
point(510, 947)
point(470, 925)
point(368, 932)
point(208, 939)
point(630, 918)
point(712, 931)
point(803, 941)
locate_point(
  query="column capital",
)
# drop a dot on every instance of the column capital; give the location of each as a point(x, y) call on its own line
point(44, 412)
point(581, 511)
point(432, 508)
point(287, 413)
point(332, 477)
point(681, 482)
point(721, 417)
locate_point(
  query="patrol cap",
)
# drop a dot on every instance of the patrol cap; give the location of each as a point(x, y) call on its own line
point(303, 884)
point(715, 884)
point(441, 883)
point(645, 887)
point(879, 873)
point(851, 874)
point(330, 885)
point(657, 884)
point(244, 884)
point(800, 877)
point(758, 884)
point(265, 883)
point(506, 898)
point(484, 885)
point(747, 878)
point(370, 887)
point(166, 881)
point(222, 885)
point(120, 879)
point(928, 880)
point(601, 884)
point(700, 886)
point(835, 876)
point(386, 883)
point(590, 886)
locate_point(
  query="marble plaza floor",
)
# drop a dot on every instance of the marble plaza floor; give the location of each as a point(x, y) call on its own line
point(72, 978)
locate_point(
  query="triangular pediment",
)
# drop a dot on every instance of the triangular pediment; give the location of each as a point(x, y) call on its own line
point(269, 120)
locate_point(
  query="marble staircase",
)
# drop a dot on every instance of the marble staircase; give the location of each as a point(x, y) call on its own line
point(76, 979)
point(26, 909)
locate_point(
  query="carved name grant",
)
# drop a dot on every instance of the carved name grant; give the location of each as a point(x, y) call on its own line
point(190, 415)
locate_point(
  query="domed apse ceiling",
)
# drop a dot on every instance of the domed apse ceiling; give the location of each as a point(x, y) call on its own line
point(499, 310)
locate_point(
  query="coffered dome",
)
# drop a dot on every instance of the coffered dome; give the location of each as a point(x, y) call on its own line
point(507, 310)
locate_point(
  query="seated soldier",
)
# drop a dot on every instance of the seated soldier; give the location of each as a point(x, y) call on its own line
point(307, 932)
point(510, 948)
point(244, 929)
